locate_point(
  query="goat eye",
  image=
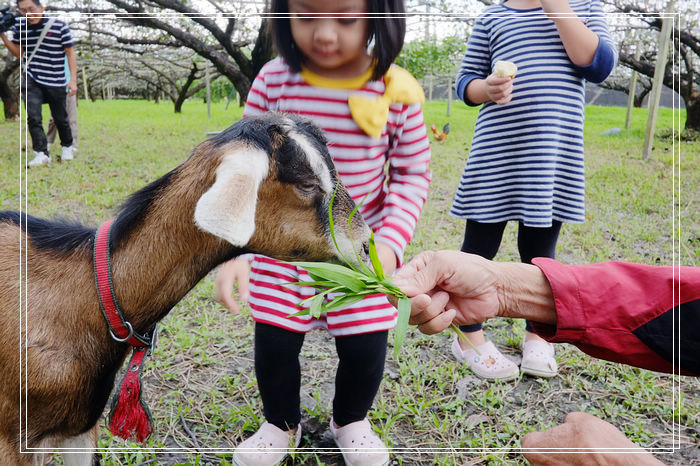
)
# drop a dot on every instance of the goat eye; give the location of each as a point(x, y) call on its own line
point(307, 188)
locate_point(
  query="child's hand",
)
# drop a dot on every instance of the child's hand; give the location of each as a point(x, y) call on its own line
point(387, 257)
point(499, 90)
point(235, 270)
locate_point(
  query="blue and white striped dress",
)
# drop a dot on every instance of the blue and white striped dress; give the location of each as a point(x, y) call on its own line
point(526, 160)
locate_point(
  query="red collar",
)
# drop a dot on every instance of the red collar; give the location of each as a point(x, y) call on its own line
point(129, 415)
point(120, 329)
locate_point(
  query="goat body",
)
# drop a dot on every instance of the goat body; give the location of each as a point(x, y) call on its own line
point(263, 185)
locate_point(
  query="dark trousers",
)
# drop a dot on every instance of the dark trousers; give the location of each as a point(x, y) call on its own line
point(484, 239)
point(357, 379)
point(35, 95)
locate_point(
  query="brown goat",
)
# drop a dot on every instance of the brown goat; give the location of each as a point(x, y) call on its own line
point(263, 185)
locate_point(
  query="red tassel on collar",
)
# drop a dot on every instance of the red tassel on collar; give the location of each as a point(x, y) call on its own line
point(130, 416)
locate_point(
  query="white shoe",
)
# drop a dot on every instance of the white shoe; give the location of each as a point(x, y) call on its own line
point(488, 363)
point(67, 153)
point(538, 359)
point(267, 447)
point(40, 158)
point(359, 444)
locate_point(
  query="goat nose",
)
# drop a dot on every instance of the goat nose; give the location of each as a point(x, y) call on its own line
point(365, 248)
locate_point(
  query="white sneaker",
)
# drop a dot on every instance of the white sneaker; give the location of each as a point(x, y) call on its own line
point(488, 363)
point(40, 158)
point(359, 444)
point(267, 447)
point(67, 153)
point(538, 359)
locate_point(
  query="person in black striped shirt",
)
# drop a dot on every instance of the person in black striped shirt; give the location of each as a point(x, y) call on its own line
point(45, 79)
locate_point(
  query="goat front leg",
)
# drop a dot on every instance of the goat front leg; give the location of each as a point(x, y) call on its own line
point(85, 446)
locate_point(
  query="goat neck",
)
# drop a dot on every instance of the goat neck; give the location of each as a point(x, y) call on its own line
point(163, 255)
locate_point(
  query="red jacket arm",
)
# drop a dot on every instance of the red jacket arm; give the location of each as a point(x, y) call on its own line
point(599, 306)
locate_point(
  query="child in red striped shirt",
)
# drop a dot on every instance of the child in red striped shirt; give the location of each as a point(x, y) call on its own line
point(371, 113)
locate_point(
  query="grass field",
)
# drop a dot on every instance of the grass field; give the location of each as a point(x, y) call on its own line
point(200, 382)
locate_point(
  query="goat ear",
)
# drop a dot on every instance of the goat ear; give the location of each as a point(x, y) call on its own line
point(227, 208)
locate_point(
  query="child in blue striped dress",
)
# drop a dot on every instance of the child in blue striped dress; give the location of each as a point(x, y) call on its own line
point(526, 159)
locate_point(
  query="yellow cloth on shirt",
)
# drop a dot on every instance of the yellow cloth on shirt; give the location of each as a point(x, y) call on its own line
point(371, 114)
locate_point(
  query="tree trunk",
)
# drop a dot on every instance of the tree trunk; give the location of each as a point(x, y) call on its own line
point(692, 108)
point(10, 101)
point(182, 94)
point(639, 98)
point(8, 94)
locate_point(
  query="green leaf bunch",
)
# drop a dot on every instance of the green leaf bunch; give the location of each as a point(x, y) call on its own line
point(353, 282)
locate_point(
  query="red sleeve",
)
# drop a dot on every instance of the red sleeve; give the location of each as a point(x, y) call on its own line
point(599, 306)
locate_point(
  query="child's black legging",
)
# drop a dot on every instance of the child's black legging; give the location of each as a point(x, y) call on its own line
point(484, 239)
point(360, 369)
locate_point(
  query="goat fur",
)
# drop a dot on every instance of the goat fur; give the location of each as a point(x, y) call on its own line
point(55, 336)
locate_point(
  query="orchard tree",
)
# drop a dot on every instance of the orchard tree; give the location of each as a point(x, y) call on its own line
point(178, 79)
point(682, 71)
point(432, 56)
point(145, 71)
point(621, 80)
point(233, 37)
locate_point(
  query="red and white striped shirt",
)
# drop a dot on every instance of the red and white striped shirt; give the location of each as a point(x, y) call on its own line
point(389, 175)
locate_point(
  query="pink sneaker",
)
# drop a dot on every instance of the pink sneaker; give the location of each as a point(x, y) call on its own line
point(359, 445)
point(538, 359)
point(267, 447)
point(490, 364)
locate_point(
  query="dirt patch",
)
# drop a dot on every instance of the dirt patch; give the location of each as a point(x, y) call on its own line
point(215, 405)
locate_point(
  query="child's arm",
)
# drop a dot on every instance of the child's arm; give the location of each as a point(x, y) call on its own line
point(230, 272)
point(388, 258)
point(579, 41)
point(475, 84)
point(257, 100)
point(587, 42)
point(408, 181)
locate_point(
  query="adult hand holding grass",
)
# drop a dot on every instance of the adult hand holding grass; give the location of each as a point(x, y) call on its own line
point(452, 287)
point(445, 288)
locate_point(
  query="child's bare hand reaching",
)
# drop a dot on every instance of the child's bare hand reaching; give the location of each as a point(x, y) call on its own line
point(235, 270)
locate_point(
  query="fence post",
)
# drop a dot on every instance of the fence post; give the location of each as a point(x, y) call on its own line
point(85, 88)
point(655, 96)
point(632, 91)
point(449, 95)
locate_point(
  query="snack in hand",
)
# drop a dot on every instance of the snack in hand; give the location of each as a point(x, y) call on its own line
point(505, 69)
